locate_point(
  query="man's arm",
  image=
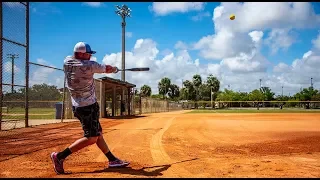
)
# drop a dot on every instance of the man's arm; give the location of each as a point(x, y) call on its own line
point(101, 68)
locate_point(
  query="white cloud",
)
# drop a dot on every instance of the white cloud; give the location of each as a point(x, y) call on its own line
point(179, 65)
point(165, 8)
point(176, 66)
point(39, 75)
point(316, 42)
point(281, 67)
point(265, 15)
point(300, 71)
point(129, 34)
point(231, 37)
point(248, 62)
point(237, 44)
point(241, 72)
point(245, 63)
point(166, 52)
point(93, 4)
point(180, 45)
point(256, 36)
point(223, 44)
point(307, 54)
point(8, 67)
point(280, 38)
point(200, 16)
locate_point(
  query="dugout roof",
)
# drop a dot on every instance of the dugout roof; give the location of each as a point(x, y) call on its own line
point(117, 82)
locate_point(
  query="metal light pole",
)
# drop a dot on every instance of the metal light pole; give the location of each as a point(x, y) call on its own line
point(311, 83)
point(12, 57)
point(123, 12)
point(260, 82)
point(211, 97)
point(282, 91)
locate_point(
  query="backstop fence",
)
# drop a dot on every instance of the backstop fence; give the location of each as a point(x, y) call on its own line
point(33, 92)
point(14, 47)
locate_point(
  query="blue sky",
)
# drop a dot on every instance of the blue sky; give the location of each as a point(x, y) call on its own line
point(201, 37)
point(101, 27)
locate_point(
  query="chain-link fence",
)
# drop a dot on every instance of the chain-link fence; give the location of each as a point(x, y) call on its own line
point(14, 54)
point(46, 93)
point(149, 105)
point(252, 104)
point(34, 93)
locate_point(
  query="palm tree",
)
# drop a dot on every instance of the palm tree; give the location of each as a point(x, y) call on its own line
point(145, 91)
point(164, 86)
point(173, 91)
point(197, 81)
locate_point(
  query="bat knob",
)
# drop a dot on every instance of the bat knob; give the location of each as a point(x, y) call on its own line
point(115, 70)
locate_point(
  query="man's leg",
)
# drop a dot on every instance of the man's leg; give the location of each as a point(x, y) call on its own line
point(101, 143)
point(91, 129)
point(113, 161)
point(82, 143)
point(58, 158)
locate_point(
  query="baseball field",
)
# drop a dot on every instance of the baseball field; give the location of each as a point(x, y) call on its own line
point(186, 143)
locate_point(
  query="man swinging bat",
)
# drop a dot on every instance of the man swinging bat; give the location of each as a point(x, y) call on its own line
point(79, 72)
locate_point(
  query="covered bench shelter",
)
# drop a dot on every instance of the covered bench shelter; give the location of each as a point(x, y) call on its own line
point(109, 93)
point(115, 95)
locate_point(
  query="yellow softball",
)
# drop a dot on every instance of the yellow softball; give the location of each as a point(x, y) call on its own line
point(232, 17)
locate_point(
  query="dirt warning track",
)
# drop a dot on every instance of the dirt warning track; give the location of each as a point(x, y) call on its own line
point(175, 145)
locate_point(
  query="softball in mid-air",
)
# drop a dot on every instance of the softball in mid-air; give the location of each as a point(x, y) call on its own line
point(232, 17)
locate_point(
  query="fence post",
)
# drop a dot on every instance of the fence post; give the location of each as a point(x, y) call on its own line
point(63, 97)
point(27, 68)
point(140, 104)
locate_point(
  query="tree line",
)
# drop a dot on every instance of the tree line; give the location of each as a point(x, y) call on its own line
point(198, 89)
point(38, 92)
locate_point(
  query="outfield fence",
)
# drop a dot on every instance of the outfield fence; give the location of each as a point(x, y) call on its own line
point(251, 104)
point(149, 105)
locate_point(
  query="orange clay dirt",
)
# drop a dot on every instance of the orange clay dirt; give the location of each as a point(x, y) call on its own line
point(174, 144)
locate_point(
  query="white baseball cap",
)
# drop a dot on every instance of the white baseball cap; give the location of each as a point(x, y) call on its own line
point(83, 47)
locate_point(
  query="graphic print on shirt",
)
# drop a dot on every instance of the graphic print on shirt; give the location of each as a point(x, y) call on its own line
point(80, 81)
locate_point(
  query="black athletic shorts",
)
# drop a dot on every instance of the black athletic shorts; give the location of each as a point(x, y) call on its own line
point(89, 118)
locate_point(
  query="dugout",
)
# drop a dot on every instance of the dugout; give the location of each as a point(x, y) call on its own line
point(110, 93)
point(115, 97)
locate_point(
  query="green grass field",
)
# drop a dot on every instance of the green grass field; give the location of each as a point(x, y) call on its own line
point(34, 113)
point(254, 111)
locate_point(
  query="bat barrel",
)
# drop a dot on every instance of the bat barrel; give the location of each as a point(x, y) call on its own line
point(136, 69)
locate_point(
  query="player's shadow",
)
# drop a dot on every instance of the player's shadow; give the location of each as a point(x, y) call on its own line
point(145, 171)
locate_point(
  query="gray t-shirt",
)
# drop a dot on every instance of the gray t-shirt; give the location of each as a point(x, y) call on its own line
point(80, 81)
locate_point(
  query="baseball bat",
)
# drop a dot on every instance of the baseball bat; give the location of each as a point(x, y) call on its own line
point(135, 69)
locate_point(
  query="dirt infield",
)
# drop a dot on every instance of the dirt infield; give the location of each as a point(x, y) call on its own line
point(174, 145)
